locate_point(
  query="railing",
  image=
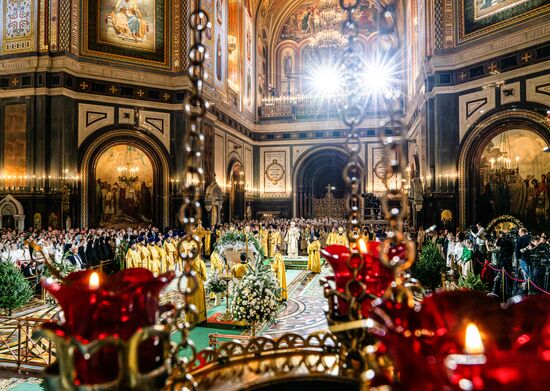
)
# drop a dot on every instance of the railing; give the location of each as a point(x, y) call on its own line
point(18, 350)
point(307, 106)
point(303, 106)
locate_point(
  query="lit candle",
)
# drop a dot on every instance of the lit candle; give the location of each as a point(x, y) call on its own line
point(465, 369)
point(93, 284)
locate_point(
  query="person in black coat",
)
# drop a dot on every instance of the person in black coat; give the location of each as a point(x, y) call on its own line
point(75, 259)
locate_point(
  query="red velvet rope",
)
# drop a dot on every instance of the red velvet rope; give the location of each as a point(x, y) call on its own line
point(513, 278)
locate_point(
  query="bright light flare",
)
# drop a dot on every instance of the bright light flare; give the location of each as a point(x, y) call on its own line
point(326, 81)
point(377, 79)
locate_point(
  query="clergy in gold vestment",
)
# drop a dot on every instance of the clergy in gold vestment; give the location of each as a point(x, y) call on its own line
point(278, 267)
point(163, 255)
point(132, 256)
point(171, 253)
point(201, 233)
point(144, 253)
point(275, 239)
point(339, 238)
point(207, 241)
point(154, 264)
point(216, 266)
point(198, 299)
point(264, 240)
point(240, 269)
point(314, 256)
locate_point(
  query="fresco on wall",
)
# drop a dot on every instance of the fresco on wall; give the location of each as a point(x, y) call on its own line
point(480, 16)
point(123, 191)
point(514, 175)
point(129, 23)
point(219, 53)
point(308, 19)
point(129, 30)
point(15, 140)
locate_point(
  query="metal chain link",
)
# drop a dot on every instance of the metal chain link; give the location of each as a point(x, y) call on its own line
point(190, 245)
point(397, 252)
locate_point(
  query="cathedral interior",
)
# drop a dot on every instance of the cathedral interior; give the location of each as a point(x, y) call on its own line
point(100, 101)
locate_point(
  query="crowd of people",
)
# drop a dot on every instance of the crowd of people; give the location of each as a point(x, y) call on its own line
point(470, 251)
point(516, 255)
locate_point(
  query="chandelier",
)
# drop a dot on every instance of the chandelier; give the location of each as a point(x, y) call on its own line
point(501, 166)
point(327, 27)
point(128, 173)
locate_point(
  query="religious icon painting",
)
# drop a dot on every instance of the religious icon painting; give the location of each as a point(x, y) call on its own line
point(481, 17)
point(127, 30)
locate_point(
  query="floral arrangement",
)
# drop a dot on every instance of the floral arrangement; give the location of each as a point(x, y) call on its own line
point(236, 241)
point(255, 298)
point(215, 284)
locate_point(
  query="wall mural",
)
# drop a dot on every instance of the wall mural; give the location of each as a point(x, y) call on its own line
point(15, 141)
point(248, 81)
point(274, 172)
point(18, 34)
point(219, 54)
point(310, 34)
point(128, 23)
point(307, 19)
point(123, 191)
point(127, 30)
point(480, 16)
point(514, 174)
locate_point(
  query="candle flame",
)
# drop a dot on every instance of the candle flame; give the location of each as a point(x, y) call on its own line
point(474, 344)
point(362, 246)
point(94, 281)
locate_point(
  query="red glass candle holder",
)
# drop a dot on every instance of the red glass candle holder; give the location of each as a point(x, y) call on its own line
point(108, 326)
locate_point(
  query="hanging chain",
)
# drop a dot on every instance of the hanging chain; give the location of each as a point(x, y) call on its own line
point(189, 247)
point(353, 114)
point(397, 252)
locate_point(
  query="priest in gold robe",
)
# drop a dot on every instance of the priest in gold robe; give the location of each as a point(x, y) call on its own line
point(132, 258)
point(239, 270)
point(264, 239)
point(200, 232)
point(275, 239)
point(278, 267)
point(171, 253)
point(163, 256)
point(198, 298)
point(144, 252)
point(338, 237)
point(154, 264)
point(314, 256)
point(216, 266)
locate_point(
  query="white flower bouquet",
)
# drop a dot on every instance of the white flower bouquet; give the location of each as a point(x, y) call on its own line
point(255, 298)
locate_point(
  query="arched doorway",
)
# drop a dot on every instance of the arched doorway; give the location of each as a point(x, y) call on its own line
point(237, 196)
point(503, 169)
point(316, 174)
point(12, 215)
point(125, 178)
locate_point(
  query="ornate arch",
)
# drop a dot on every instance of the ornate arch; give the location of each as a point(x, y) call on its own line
point(92, 148)
point(483, 130)
point(302, 161)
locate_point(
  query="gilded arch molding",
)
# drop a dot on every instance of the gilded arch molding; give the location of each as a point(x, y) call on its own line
point(471, 139)
point(111, 138)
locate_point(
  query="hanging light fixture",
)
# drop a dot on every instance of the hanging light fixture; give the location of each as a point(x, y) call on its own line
point(128, 172)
